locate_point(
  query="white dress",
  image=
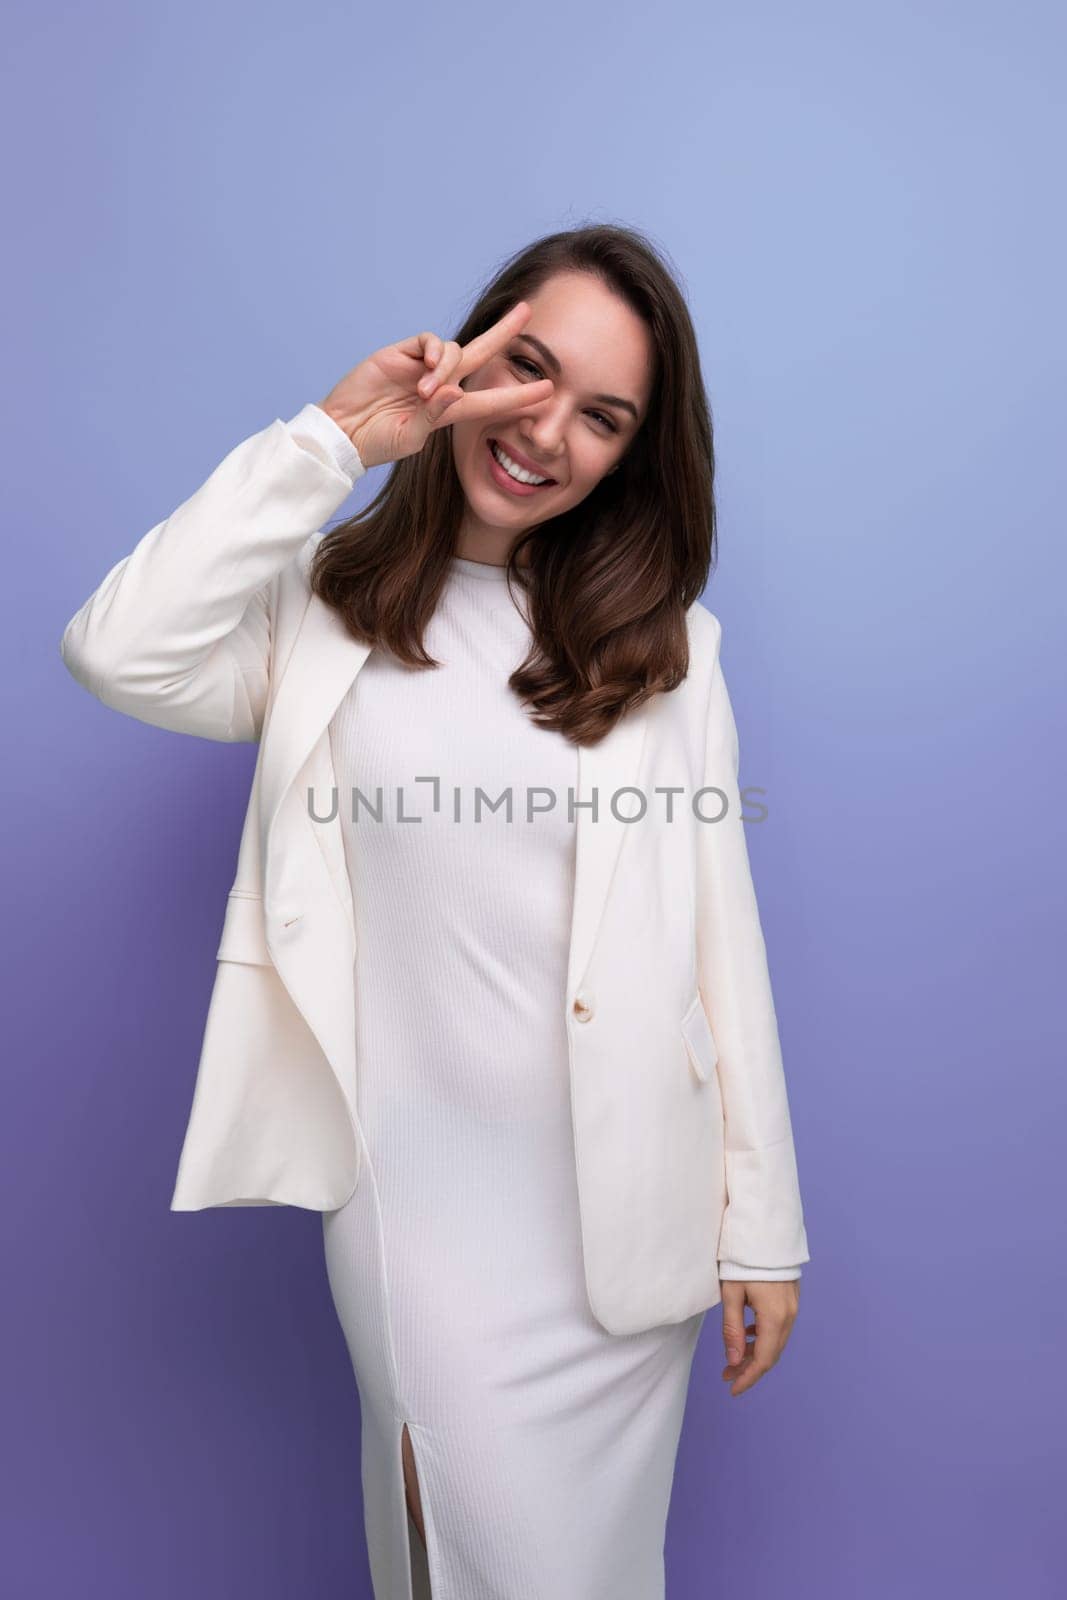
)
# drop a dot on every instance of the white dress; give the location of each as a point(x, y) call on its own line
point(544, 1446)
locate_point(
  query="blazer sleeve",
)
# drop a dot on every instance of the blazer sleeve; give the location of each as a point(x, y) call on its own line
point(763, 1225)
point(178, 632)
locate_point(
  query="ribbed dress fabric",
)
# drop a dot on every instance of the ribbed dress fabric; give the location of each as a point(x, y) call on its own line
point(545, 1446)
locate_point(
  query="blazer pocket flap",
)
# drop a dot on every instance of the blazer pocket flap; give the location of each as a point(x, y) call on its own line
point(243, 934)
point(699, 1040)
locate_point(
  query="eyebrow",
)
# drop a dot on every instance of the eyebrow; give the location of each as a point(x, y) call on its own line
point(553, 361)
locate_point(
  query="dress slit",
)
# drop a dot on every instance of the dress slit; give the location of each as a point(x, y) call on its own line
point(420, 1562)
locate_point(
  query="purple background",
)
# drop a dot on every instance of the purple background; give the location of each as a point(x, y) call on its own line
point(218, 211)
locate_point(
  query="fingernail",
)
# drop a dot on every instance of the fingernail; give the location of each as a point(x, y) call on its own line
point(734, 1355)
point(428, 384)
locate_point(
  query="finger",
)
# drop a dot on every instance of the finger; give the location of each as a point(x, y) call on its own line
point(748, 1372)
point(450, 356)
point(481, 403)
point(768, 1346)
point(478, 351)
point(743, 1373)
point(442, 403)
point(733, 1329)
point(425, 346)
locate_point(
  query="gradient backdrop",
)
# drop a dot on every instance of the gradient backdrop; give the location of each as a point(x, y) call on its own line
point(215, 211)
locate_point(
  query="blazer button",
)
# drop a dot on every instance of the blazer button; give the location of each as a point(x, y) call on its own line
point(583, 1007)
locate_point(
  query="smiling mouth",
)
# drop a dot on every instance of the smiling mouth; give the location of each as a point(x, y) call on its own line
point(503, 474)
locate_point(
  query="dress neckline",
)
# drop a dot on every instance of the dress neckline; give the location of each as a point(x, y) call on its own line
point(479, 569)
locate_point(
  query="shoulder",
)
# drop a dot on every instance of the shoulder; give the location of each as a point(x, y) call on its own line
point(299, 567)
point(705, 637)
point(288, 596)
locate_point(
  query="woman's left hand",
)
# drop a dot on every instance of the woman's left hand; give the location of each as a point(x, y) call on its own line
point(776, 1303)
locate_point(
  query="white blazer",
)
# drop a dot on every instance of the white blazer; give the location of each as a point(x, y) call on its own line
point(682, 1134)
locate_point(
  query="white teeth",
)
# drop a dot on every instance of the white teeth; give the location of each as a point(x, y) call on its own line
point(513, 469)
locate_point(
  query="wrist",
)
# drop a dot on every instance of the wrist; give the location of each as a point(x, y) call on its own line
point(353, 430)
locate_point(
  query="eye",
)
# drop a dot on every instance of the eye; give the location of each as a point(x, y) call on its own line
point(521, 361)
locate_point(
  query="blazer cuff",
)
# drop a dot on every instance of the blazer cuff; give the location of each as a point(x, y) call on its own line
point(733, 1270)
point(320, 434)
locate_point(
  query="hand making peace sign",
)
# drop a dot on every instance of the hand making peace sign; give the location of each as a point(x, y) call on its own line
point(391, 403)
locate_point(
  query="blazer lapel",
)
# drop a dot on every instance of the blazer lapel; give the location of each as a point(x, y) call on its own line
point(322, 665)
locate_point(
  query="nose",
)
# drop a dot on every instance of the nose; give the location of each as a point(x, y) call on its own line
point(543, 428)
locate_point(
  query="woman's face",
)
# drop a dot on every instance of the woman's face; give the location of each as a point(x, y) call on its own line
point(599, 355)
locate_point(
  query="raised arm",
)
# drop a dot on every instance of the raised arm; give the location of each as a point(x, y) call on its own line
point(178, 632)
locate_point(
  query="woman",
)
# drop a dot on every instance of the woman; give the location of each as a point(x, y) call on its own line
point(522, 1056)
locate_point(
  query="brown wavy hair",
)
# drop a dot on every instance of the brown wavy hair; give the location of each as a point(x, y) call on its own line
point(609, 581)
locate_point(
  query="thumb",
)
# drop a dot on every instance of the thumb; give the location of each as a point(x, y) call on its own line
point(733, 1321)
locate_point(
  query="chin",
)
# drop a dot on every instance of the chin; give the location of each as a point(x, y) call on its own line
point(486, 508)
point(490, 508)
